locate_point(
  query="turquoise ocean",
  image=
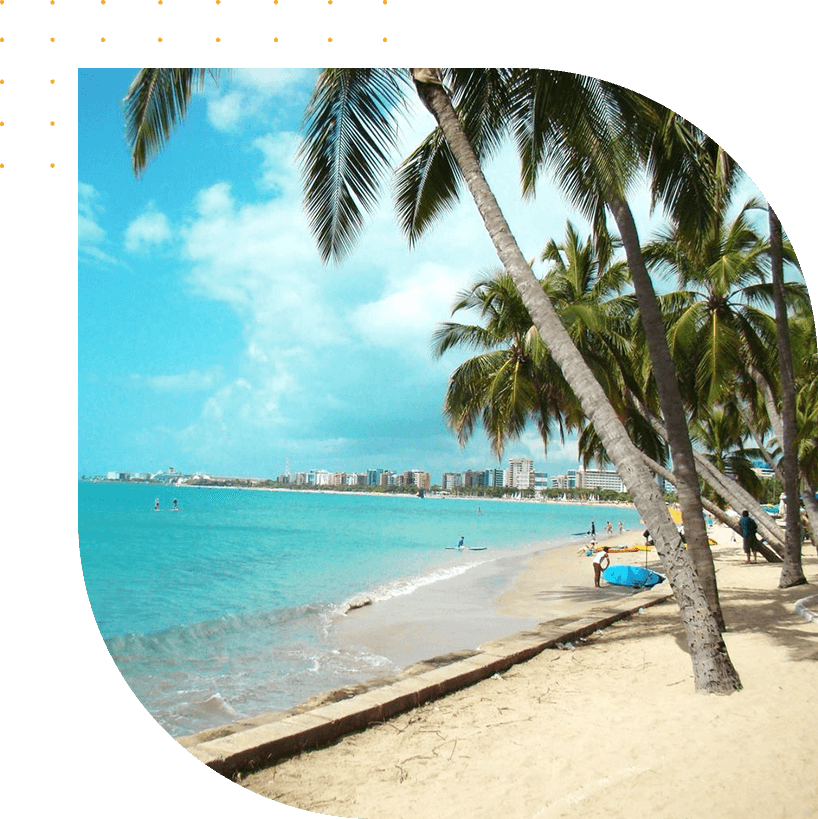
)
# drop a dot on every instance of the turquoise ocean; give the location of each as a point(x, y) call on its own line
point(225, 608)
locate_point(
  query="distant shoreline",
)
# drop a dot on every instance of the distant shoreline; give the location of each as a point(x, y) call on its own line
point(428, 496)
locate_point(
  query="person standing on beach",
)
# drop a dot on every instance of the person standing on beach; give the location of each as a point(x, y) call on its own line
point(609, 527)
point(598, 567)
point(620, 527)
point(592, 530)
point(748, 532)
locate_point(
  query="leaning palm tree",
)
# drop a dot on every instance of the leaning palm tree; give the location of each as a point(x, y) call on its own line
point(330, 145)
point(349, 135)
point(595, 136)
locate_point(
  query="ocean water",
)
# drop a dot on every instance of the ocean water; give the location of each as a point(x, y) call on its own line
point(225, 608)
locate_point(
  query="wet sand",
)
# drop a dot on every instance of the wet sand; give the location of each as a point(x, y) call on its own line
point(496, 598)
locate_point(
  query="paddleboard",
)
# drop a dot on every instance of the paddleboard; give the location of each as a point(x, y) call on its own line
point(618, 548)
point(637, 577)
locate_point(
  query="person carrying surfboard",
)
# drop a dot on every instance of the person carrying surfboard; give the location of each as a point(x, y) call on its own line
point(461, 544)
point(598, 567)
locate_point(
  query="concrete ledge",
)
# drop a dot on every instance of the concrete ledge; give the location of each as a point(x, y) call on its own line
point(247, 745)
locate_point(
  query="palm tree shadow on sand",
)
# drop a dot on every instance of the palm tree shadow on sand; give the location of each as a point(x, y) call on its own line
point(768, 612)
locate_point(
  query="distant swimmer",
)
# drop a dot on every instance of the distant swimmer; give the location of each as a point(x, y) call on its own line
point(175, 505)
point(479, 511)
point(156, 505)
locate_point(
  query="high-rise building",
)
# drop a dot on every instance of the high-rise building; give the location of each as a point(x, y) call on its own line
point(496, 478)
point(451, 480)
point(521, 473)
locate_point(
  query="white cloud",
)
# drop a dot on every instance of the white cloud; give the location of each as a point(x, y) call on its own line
point(248, 93)
point(410, 309)
point(89, 231)
point(260, 259)
point(180, 382)
point(148, 230)
point(91, 235)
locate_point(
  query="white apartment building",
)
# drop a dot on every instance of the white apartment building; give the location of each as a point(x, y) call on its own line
point(451, 480)
point(595, 479)
point(521, 473)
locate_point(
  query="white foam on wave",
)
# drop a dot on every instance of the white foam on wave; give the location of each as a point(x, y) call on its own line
point(404, 586)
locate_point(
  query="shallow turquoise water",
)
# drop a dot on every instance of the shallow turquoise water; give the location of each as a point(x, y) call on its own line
point(224, 608)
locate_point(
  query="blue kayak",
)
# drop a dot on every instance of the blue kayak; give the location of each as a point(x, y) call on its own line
point(636, 577)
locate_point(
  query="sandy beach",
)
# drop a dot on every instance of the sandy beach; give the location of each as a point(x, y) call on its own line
point(610, 727)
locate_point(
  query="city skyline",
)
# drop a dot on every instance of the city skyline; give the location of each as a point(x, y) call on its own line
point(520, 474)
point(209, 331)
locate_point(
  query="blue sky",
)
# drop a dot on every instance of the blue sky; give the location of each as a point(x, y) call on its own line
point(211, 336)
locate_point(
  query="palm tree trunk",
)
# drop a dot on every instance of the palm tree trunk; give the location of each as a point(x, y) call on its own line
point(712, 669)
point(670, 398)
point(730, 490)
point(792, 573)
point(768, 554)
point(811, 505)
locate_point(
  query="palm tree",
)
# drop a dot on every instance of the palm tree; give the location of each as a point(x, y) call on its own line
point(429, 82)
point(718, 327)
point(791, 572)
point(516, 379)
point(714, 317)
point(512, 380)
point(593, 134)
point(349, 132)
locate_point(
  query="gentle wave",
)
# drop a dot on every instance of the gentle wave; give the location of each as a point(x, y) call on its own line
point(404, 586)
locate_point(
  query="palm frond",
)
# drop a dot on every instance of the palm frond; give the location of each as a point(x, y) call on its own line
point(428, 180)
point(450, 335)
point(350, 133)
point(155, 104)
point(426, 186)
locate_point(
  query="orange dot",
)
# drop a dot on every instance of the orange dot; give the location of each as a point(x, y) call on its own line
point(329, 39)
point(2, 123)
point(52, 164)
point(52, 123)
point(52, 39)
point(384, 39)
point(2, 39)
point(2, 165)
point(53, 81)
point(275, 39)
point(159, 40)
point(1, 82)
point(218, 39)
point(101, 39)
